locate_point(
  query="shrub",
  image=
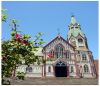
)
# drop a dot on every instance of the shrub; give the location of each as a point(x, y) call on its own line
point(21, 75)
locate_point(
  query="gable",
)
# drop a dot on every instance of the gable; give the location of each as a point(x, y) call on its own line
point(79, 36)
point(58, 40)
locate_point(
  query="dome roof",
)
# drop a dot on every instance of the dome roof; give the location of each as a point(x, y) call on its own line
point(75, 33)
point(74, 28)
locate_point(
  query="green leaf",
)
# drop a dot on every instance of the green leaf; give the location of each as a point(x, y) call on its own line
point(40, 33)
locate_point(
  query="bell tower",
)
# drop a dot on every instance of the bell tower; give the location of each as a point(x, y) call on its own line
point(77, 38)
point(75, 35)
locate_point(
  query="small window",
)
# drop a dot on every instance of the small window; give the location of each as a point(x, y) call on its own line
point(77, 27)
point(49, 69)
point(86, 69)
point(83, 56)
point(78, 52)
point(72, 69)
point(68, 54)
point(80, 40)
point(72, 27)
point(28, 69)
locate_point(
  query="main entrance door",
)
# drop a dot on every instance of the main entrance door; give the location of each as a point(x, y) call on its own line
point(60, 69)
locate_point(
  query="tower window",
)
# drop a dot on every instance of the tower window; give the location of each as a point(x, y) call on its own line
point(83, 56)
point(72, 27)
point(80, 40)
point(76, 27)
point(86, 69)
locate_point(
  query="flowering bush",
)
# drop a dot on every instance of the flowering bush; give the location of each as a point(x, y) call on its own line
point(18, 48)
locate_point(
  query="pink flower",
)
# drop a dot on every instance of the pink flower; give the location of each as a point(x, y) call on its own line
point(50, 55)
point(18, 39)
point(18, 35)
point(24, 41)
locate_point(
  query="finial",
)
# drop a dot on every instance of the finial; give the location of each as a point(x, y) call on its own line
point(72, 14)
point(73, 20)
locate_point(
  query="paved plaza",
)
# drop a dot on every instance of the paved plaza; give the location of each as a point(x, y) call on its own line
point(55, 81)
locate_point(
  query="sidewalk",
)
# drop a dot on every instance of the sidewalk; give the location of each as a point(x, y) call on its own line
point(55, 81)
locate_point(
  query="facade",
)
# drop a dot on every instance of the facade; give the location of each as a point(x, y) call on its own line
point(68, 57)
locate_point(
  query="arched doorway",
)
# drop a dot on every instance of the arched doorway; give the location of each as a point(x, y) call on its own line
point(60, 69)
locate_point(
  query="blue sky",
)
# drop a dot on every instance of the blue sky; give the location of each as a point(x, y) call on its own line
point(46, 17)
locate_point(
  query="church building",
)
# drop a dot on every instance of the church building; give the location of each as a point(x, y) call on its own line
point(68, 57)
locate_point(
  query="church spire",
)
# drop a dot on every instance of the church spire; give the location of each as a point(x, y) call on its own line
point(73, 20)
point(75, 35)
point(58, 30)
point(74, 28)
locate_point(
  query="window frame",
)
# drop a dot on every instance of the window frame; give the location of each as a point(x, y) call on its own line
point(84, 57)
point(80, 41)
point(49, 69)
point(86, 68)
point(72, 69)
point(59, 51)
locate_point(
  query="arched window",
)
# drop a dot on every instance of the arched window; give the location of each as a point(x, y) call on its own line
point(80, 40)
point(28, 69)
point(72, 69)
point(86, 69)
point(84, 56)
point(49, 69)
point(72, 27)
point(59, 51)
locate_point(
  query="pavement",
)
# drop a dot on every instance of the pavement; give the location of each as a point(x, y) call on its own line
point(54, 81)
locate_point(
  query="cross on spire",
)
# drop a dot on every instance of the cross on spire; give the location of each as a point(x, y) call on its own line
point(72, 14)
point(58, 30)
point(73, 20)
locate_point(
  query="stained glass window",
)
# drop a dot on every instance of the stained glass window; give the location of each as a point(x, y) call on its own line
point(59, 51)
